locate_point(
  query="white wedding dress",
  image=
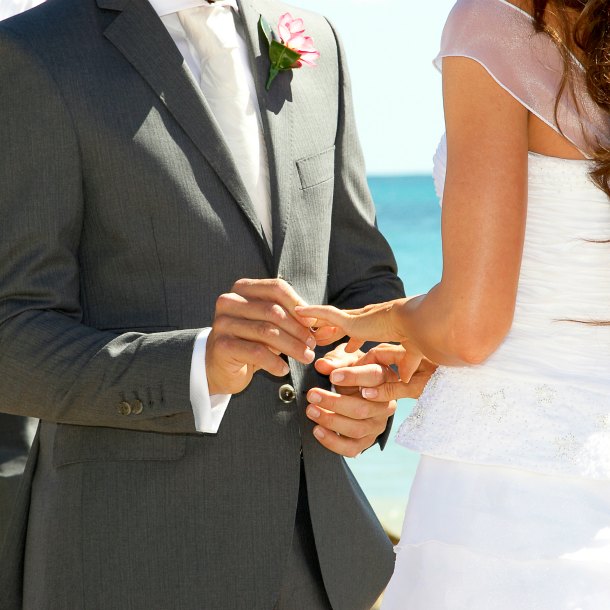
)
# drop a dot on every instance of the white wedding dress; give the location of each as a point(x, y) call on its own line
point(510, 507)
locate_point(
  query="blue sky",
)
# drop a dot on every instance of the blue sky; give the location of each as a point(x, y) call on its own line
point(390, 45)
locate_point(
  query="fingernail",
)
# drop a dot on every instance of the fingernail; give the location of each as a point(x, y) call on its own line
point(369, 393)
point(313, 412)
point(319, 433)
point(286, 369)
point(337, 377)
point(314, 329)
point(311, 343)
point(315, 397)
point(310, 356)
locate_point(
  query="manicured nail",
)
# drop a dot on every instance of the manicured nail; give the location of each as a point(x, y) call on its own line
point(319, 433)
point(313, 412)
point(370, 393)
point(311, 343)
point(310, 356)
point(337, 377)
point(315, 397)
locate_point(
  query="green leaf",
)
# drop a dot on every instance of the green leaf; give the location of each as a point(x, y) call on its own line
point(282, 57)
point(273, 72)
point(265, 29)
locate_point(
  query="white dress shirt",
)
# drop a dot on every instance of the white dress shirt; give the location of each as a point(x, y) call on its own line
point(8, 8)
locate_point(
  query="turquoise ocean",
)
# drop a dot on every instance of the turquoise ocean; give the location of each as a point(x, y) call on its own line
point(408, 215)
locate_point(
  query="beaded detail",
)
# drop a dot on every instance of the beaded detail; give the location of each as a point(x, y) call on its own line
point(476, 415)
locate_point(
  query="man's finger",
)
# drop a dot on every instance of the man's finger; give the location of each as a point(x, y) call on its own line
point(346, 426)
point(233, 305)
point(343, 445)
point(234, 353)
point(267, 334)
point(276, 291)
point(352, 406)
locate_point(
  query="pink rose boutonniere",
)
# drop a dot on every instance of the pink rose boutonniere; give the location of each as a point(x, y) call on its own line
point(291, 49)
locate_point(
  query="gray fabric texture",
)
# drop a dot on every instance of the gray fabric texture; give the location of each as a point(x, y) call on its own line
point(123, 218)
point(302, 585)
point(14, 447)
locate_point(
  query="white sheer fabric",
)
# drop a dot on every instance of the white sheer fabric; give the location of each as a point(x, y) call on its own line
point(500, 36)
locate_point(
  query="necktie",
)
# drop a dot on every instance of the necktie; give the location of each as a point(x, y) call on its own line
point(211, 30)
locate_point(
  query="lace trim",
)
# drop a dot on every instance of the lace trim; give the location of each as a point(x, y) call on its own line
point(477, 416)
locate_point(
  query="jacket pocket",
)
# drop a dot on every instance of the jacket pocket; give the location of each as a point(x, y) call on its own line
point(317, 169)
point(77, 444)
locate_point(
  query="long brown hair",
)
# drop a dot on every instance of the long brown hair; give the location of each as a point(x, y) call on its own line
point(583, 27)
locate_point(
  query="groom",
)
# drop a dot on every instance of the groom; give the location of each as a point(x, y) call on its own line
point(147, 172)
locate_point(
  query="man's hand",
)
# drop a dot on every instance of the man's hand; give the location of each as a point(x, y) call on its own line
point(348, 424)
point(253, 325)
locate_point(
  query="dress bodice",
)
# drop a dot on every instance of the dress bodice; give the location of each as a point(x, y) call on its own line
point(542, 400)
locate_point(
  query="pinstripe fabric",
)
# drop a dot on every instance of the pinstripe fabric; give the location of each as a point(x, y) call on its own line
point(123, 218)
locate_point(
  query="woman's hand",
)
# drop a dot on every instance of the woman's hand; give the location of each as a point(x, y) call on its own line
point(370, 373)
point(377, 322)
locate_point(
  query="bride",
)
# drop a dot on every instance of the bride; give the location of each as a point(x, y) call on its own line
point(510, 508)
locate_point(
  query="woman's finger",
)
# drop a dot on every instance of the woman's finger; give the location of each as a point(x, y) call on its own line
point(364, 376)
point(392, 391)
point(325, 315)
point(327, 335)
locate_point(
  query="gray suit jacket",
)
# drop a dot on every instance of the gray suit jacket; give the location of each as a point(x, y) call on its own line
point(14, 447)
point(123, 218)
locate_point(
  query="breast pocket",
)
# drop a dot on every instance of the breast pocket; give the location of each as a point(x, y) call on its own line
point(317, 169)
point(77, 444)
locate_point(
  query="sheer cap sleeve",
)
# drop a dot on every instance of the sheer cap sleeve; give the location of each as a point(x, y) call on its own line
point(501, 37)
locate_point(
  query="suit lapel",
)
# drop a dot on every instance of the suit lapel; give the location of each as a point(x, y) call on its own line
point(142, 38)
point(277, 116)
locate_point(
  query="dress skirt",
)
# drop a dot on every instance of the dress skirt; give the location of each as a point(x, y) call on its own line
point(492, 538)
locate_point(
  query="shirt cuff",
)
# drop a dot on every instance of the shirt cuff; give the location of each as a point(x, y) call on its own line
point(208, 410)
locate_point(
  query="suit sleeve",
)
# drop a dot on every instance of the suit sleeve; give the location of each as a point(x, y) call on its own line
point(51, 365)
point(362, 267)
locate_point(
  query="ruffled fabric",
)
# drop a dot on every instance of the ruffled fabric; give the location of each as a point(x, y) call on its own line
point(488, 538)
point(501, 37)
point(542, 401)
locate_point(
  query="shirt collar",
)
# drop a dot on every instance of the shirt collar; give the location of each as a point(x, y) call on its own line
point(166, 7)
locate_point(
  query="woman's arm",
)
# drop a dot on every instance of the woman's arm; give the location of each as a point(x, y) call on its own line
point(466, 315)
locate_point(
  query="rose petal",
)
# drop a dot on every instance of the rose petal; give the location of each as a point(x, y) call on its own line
point(297, 26)
point(307, 44)
point(284, 27)
point(301, 43)
point(295, 42)
point(309, 59)
point(291, 33)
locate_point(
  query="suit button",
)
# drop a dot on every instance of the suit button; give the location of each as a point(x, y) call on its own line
point(124, 408)
point(287, 393)
point(138, 407)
